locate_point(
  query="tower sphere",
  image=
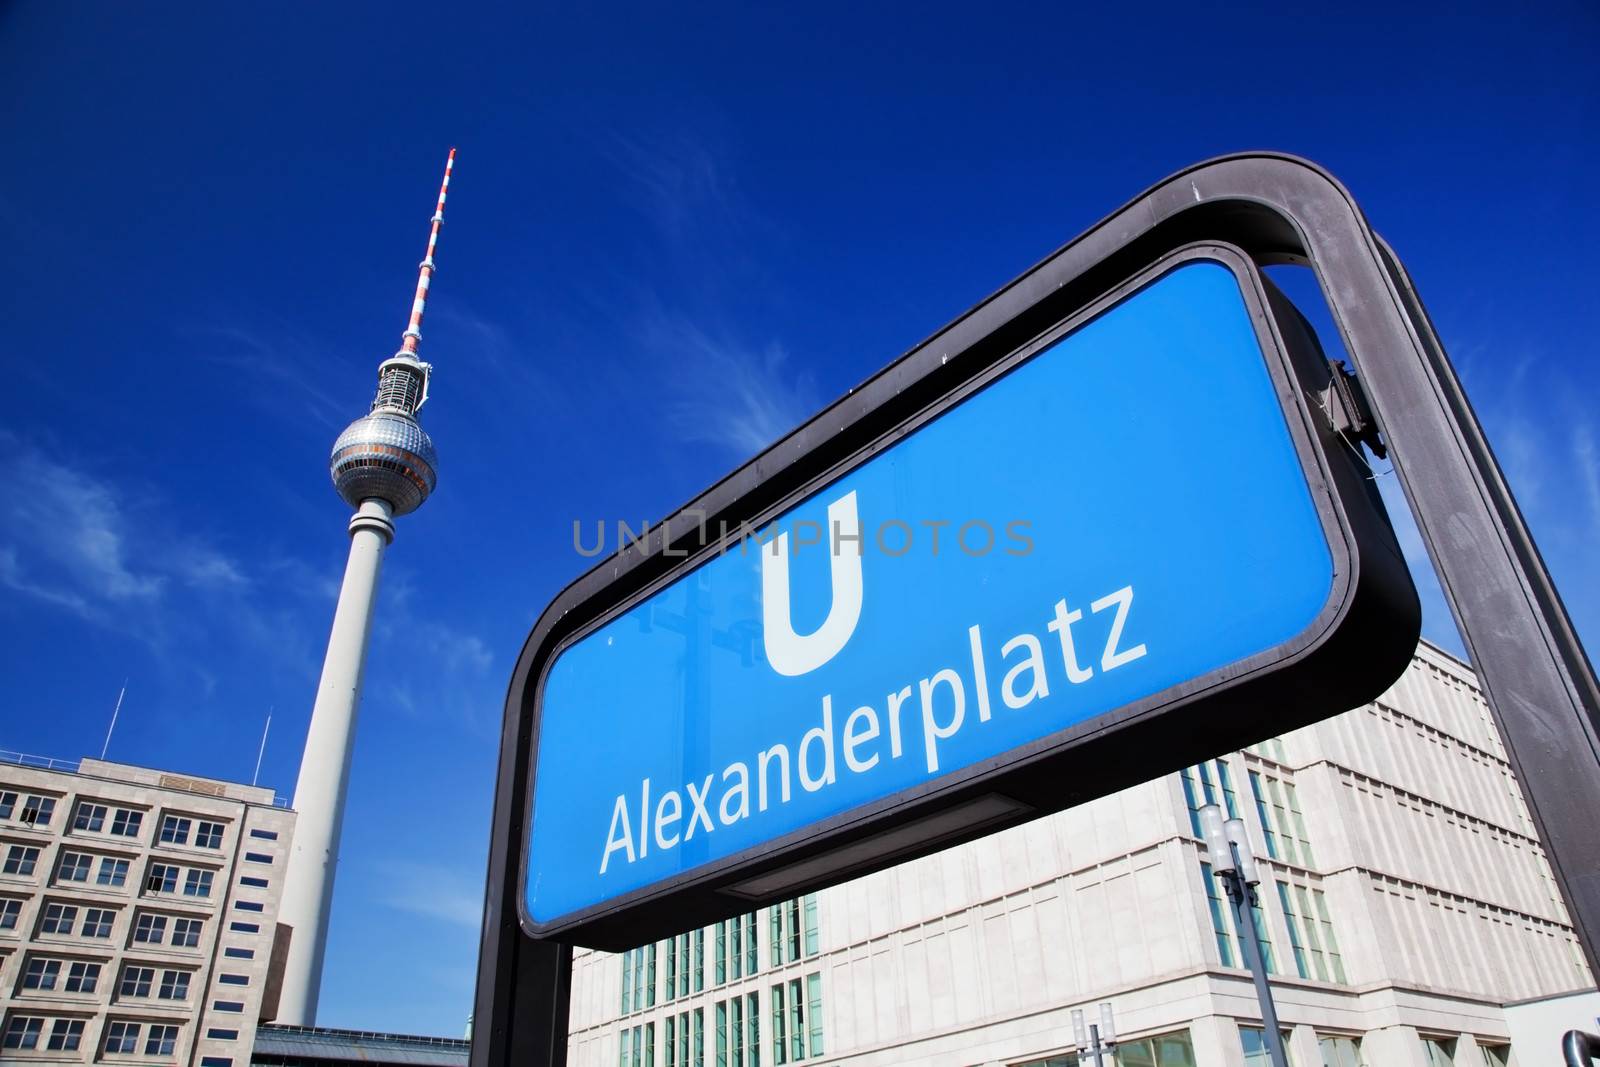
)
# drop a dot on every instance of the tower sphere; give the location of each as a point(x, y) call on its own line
point(385, 456)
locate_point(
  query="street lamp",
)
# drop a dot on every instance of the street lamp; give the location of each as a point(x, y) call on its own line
point(1232, 861)
point(1097, 1039)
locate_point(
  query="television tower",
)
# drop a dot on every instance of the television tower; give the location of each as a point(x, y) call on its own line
point(383, 465)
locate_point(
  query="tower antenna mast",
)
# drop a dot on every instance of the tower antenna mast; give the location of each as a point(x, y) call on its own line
point(383, 465)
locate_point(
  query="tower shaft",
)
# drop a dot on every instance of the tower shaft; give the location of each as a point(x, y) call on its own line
point(319, 793)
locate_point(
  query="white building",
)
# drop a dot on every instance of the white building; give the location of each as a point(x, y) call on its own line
point(138, 912)
point(1404, 896)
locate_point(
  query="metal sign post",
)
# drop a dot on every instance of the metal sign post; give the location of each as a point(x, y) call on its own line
point(1261, 209)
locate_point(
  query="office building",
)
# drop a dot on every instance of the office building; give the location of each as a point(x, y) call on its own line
point(138, 912)
point(1404, 902)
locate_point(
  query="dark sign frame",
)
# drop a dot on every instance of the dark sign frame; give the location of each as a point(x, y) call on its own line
point(1276, 209)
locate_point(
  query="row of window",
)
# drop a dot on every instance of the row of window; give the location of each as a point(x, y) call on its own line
point(1311, 936)
point(796, 1031)
point(66, 1035)
point(1282, 825)
point(35, 809)
point(792, 936)
point(83, 976)
point(150, 928)
point(1338, 1050)
point(77, 868)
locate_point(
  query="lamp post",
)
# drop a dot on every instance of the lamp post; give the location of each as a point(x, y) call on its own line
point(1232, 861)
point(1097, 1039)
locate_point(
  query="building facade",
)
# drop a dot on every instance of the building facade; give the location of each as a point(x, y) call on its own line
point(138, 912)
point(1404, 901)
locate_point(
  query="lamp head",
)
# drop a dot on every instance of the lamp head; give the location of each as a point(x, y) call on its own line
point(1216, 838)
point(1235, 832)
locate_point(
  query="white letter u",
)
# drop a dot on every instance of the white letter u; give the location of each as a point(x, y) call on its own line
point(788, 652)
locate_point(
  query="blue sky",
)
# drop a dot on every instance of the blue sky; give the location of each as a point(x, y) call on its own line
point(672, 235)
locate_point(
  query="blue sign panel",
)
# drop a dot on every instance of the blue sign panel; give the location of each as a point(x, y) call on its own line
point(1063, 542)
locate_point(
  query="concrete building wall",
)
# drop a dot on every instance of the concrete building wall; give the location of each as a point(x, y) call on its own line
point(173, 914)
point(1419, 903)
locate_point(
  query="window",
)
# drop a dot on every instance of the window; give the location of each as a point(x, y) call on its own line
point(258, 857)
point(136, 981)
point(208, 835)
point(174, 985)
point(37, 810)
point(700, 959)
point(74, 867)
point(254, 883)
point(1329, 942)
point(66, 1035)
point(1316, 952)
point(233, 979)
point(8, 804)
point(1438, 1051)
point(150, 929)
point(814, 1013)
point(90, 817)
point(638, 1046)
point(121, 1037)
point(21, 859)
point(249, 905)
point(1219, 925)
point(1253, 1039)
point(58, 919)
point(113, 872)
point(218, 1034)
point(216, 1061)
point(245, 928)
point(1495, 1055)
point(10, 908)
point(240, 953)
point(126, 823)
point(264, 835)
point(186, 932)
point(1282, 825)
point(82, 977)
point(797, 1019)
point(174, 830)
point(227, 1005)
point(198, 883)
point(163, 878)
point(1339, 1051)
point(752, 1018)
point(23, 1031)
point(638, 978)
point(736, 1032)
point(1165, 1050)
point(41, 974)
point(97, 922)
point(161, 1040)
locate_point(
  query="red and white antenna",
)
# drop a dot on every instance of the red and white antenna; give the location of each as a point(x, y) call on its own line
point(413, 335)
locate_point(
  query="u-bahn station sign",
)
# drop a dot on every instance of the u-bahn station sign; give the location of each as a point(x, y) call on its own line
point(1116, 553)
point(1113, 520)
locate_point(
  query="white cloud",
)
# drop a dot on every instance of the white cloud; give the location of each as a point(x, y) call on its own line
point(63, 531)
point(729, 394)
point(434, 892)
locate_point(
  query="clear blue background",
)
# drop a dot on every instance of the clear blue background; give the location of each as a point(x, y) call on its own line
point(1092, 444)
point(673, 235)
